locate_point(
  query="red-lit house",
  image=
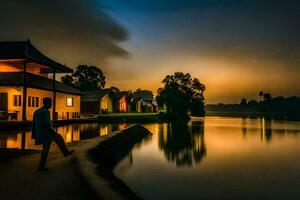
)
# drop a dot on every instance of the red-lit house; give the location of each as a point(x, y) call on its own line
point(122, 101)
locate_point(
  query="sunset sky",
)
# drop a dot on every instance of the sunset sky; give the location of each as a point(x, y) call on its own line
point(236, 48)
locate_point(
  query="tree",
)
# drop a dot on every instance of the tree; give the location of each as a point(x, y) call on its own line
point(261, 94)
point(183, 145)
point(267, 97)
point(181, 93)
point(86, 78)
point(143, 94)
point(243, 102)
point(253, 104)
point(68, 80)
point(114, 89)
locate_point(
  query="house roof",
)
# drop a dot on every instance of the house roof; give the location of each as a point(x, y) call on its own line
point(119, 95)
point(35, 81)
point(135, 100)
point(26, 51)
point(144, 95)
point(94, 96)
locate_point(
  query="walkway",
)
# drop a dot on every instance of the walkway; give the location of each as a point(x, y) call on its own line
point(20, 179)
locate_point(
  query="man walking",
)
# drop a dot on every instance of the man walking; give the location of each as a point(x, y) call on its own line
point(43, 133)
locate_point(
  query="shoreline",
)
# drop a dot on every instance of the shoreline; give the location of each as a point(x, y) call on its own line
point(96, 162)
point(110, 118)
point(77, 177)
point(21, 180)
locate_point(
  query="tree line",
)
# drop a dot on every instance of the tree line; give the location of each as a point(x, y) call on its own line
point(181, 96)
point(281, 107)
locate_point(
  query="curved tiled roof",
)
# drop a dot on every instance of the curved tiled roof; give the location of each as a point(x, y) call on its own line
point(25, 50)
point(35, 81)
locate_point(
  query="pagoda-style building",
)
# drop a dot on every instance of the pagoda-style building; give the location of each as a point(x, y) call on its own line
point(24, 82)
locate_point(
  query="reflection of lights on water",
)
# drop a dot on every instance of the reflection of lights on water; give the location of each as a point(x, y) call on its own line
point(198, 140)
point(70, 133)
point(165, 132)
point(13, 141)
point(122, 126)
point(263, 129)
point(76, 135)
point(104, 130)
point(69, 136)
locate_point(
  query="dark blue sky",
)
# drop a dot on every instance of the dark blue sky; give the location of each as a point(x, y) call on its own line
point(235, 47)
point(219, 41)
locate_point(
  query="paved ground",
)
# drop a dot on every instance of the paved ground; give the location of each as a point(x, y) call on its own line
point(19, 178)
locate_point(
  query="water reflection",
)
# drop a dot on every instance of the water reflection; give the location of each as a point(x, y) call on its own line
point(183, 143)
point(244, 126)
point(70, 133)
point(268, 128)
point(216, 158)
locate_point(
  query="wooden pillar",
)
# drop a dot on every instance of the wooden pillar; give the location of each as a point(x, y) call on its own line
point(24, 118)
point(54, 117)
point(23, 141)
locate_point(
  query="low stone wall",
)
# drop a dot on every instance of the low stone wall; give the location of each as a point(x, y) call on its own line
point(97, 161)
point(129, 118)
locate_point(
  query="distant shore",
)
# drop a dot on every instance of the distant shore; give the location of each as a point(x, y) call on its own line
point(250, 115)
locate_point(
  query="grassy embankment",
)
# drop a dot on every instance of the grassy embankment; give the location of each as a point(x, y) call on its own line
point(129, 117)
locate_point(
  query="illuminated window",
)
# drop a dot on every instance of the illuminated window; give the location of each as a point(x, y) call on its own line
point(70, 101)
point(33, 102)
point(17, 100)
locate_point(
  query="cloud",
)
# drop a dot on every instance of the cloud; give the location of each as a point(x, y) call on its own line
point(236, 47)
point(72, 31)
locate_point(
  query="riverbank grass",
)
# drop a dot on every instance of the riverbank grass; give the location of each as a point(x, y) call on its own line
point(129, 117)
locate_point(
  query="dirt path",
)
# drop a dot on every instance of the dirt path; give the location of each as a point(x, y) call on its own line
point(19, 178)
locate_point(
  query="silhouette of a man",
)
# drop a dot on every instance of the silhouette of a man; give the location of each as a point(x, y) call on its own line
point(43, 133)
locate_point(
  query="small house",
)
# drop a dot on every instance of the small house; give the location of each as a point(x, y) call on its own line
point(122, 101)
point(97, 102)
point(143, 101)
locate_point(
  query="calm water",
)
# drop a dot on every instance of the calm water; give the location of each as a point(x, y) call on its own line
point(70, 133)
point(216, 158)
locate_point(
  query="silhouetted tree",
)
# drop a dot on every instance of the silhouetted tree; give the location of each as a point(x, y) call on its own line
point(261, 94)
point(148, 94)
point(68, 80)
point(115, 89)
point(197, 107)
point(267, 97)
point(86, 78)
point(277, 107)
point(180, 93)
point(243, 102)
point(252, 105)
point(182, 144)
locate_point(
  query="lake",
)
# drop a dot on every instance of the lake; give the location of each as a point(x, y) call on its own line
point(216, 158)
point(70, 133)
point(209, 158)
